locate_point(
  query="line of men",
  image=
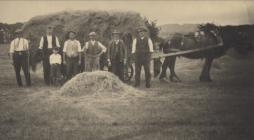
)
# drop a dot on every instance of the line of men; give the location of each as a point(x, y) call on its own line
point(142, 48)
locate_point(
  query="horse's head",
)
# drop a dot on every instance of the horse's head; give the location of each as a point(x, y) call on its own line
point(210, 32)
point(209, 28)
point(239, 37)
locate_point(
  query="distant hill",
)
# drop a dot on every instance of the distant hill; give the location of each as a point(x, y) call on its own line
point(167, 29)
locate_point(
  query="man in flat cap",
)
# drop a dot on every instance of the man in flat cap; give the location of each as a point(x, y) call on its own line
point(72, 55)
point(93, 49)
point(117, 55)
point(47, 43)
point(142, 47)
point(19, 55)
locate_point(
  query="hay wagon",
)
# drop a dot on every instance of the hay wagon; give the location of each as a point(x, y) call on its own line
point(129, 69)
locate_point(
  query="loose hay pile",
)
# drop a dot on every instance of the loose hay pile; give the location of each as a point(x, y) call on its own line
point(83, 22)
point(97, 83)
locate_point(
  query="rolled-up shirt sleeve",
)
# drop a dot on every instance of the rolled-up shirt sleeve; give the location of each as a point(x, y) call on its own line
point(65, 46)
point(79, 47)
point(133, 50)
point(85, 47)
point(41, 43)
point(12, 47)
point(57, 42)
point(104, 49)
point(150, 43)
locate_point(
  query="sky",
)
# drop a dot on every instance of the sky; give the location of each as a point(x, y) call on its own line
point(164, 12)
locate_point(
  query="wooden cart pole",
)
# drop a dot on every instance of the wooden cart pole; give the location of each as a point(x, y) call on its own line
point(154, 56)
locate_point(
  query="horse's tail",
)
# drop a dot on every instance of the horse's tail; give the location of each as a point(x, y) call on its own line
point(35, 58)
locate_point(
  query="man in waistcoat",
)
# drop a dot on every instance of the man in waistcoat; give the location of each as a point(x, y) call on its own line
point(117, 55)
point(142, 47)
point(93, 49)
point(72, 55)
point(19, 55)
point(47, 43)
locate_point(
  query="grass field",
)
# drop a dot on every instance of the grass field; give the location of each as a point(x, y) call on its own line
point(189, 110)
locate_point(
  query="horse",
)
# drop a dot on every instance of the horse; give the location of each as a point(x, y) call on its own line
point(238, 37)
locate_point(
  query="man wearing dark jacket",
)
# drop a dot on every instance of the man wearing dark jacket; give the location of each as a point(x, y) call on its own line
point(117, 55)
point(47, 43)
point(142, 47)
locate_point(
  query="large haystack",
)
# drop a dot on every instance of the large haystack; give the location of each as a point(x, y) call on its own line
point(83, 22)
point(98, 82)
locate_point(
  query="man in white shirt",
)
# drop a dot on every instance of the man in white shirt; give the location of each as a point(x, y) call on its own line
point(55, 61)
point(142, 47)
point(72, 55)
point(93, 50)
point(47, 43)
point(19, 55)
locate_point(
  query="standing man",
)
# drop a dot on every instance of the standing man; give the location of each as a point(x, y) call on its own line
point(117, 55)
point(142, 47)
point(47, 43)
point(72, 55)
point(93, 50)
point(19, 55)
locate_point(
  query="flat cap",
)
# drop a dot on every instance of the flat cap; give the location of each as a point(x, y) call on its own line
point(18, 31)
point(50, 27)
point(142, 29)
point(116, 32)
point(92, 34)
point(71, 31)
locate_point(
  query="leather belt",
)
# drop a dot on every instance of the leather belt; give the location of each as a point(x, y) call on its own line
point(20, 52)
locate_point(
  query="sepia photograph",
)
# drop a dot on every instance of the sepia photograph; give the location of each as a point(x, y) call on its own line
point(126, 70)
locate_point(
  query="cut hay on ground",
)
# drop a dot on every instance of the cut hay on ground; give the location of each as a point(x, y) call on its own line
point(97, 83)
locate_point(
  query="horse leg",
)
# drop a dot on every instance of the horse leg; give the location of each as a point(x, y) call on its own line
point(165, 65)
point(205, 74)
point(173, 76)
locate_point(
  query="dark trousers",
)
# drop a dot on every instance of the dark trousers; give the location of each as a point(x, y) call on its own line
point(117, 68)
point(55, 74)
point(46, 66)
point(92, 64)
point(72, 66)
point(21, 62)
point(165, 66)
point(169, 62)
point(142, 59)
